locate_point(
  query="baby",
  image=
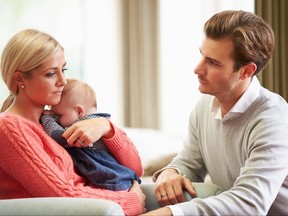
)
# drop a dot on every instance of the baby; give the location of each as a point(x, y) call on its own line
point(95, 163)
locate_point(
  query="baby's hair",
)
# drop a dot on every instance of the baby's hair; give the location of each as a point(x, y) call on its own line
point(82, 92)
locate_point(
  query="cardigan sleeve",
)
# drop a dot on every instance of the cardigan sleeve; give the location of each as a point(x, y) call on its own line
point(124, 151)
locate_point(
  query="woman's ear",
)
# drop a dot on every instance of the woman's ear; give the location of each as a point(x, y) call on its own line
point(248, 70)
point(18, 79)
point(80, 111)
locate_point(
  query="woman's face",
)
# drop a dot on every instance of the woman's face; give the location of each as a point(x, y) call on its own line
point(47, 81)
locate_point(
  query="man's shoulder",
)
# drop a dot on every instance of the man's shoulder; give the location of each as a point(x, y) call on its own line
point(271, 99)
point(269, 106)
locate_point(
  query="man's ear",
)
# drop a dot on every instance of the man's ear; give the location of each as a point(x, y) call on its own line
point(248, 70)
point(80, 110)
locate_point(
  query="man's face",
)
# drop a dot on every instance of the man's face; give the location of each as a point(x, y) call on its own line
point(215, 70)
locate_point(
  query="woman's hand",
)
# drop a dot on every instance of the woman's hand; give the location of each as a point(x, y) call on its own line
point(83, 133)
point(169, 187)
point(137, 189)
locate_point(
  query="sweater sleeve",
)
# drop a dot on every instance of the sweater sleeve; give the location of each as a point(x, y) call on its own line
point(53, 129)
point(261, 183)
point(246, 156)
point(33, 164)
point(124, 151)
point(194, 169)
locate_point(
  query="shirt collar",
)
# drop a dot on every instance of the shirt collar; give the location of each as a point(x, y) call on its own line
point(241, 105)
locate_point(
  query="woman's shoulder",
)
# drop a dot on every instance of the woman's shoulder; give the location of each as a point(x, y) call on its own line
point(15, 122)
point(15, 129)
point(6, 117)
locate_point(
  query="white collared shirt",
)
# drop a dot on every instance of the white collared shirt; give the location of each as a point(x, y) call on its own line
point(241, 105)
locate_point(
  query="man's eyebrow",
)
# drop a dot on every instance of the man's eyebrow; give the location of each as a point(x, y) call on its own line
point(213, 60)
point(210, 59)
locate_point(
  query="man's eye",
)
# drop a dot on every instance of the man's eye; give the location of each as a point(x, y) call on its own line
point(211, 62)
point(64, 69)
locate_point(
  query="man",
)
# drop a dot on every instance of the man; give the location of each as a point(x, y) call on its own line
point(238, 131)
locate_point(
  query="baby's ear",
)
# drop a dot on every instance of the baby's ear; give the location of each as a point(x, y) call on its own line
point(80, 110)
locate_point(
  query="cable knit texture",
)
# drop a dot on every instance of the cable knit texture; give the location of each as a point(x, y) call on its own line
point(34, 165)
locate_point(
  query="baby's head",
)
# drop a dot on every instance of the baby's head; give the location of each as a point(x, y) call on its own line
point(77, 100)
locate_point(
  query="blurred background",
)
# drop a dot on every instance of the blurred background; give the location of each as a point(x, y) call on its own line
point(138, 55)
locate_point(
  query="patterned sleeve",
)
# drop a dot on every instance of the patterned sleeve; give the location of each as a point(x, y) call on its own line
point(53, 129)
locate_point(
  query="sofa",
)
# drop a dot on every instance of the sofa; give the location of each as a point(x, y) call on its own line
point(86, 206)
point(156, 149)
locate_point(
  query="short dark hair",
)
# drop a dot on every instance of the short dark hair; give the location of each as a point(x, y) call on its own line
point(253, 38)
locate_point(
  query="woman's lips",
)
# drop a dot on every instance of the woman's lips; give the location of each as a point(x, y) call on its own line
point(58, 92)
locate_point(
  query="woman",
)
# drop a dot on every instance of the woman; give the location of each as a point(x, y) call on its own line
point(32, 164)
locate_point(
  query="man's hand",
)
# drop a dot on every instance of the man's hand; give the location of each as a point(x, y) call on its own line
point(169, 187)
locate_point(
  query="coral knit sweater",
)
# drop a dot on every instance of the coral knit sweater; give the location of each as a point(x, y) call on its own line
point(33, 165)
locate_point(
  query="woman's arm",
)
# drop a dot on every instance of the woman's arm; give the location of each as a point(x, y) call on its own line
point(116, 140)
point(33, 165)
point(123, 149)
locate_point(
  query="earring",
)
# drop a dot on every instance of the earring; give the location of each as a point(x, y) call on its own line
point(22, 86)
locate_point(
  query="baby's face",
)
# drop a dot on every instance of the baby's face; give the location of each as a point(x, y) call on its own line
point(67, 114)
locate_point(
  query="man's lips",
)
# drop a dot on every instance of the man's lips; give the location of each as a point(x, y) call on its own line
point(202, 81)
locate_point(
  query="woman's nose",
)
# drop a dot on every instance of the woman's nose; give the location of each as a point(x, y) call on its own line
point(62, 79)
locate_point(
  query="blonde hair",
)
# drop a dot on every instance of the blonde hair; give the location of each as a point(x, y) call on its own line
point(76, 91)
point(24, 52)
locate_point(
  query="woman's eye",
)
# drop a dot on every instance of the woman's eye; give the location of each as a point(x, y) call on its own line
point(50, 74)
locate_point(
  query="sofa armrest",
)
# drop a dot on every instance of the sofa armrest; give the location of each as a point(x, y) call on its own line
point(203, 190)
point(59, 206)
point(88, 206)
